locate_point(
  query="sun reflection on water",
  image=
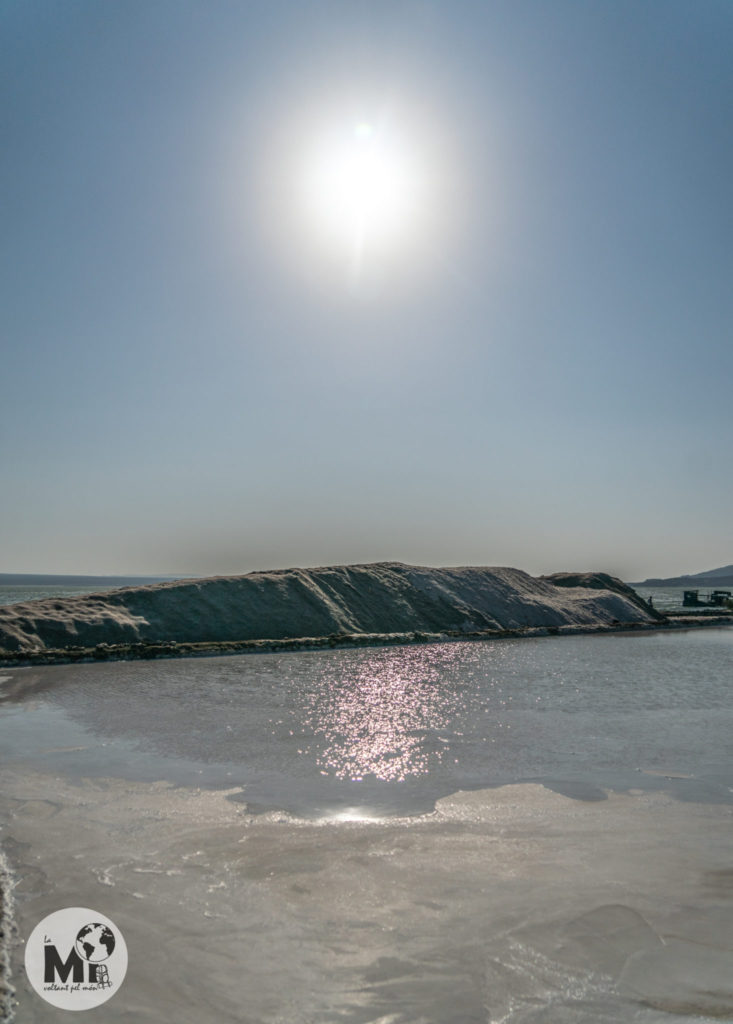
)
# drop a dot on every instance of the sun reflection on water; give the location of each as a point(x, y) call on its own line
point(384, 716)
point(352, 814)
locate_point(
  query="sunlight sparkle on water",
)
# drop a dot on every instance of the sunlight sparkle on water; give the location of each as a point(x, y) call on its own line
point(386, 721)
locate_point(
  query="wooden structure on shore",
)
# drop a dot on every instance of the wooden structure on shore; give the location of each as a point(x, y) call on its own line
point(716, 599)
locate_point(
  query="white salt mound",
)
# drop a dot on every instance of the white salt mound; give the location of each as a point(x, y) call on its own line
point(386, 597)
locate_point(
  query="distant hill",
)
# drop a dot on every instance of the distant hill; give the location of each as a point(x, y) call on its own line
point(726, 570)
point(722, 577)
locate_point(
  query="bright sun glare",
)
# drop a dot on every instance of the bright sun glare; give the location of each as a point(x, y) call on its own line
point(361, 191)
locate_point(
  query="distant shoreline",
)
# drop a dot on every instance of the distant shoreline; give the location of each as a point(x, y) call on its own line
point(142, 651)
point(39, 579)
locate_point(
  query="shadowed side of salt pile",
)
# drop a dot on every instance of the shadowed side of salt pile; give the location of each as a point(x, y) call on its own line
point(383, 598)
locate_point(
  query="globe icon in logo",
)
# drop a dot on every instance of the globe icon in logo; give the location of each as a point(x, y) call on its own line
point(95, 942)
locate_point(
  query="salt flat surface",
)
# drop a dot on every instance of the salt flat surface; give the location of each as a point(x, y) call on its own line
point(507, 905)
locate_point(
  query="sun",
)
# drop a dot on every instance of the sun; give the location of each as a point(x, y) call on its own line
point(361, 190)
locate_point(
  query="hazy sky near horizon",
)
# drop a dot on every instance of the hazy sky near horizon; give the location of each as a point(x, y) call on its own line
point(324, 282)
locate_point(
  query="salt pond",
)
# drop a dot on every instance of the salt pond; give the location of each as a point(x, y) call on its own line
point(534, 831)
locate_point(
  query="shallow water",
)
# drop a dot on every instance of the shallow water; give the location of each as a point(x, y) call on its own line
point(391, 728)
point(514, 831)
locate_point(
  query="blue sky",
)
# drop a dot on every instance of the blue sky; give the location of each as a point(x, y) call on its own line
point(536, 372)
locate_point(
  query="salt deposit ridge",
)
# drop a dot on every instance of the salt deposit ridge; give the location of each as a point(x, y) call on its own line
point(383, 598)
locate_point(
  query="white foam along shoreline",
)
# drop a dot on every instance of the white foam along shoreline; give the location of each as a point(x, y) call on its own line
point(7, 937)
point(382, 598)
